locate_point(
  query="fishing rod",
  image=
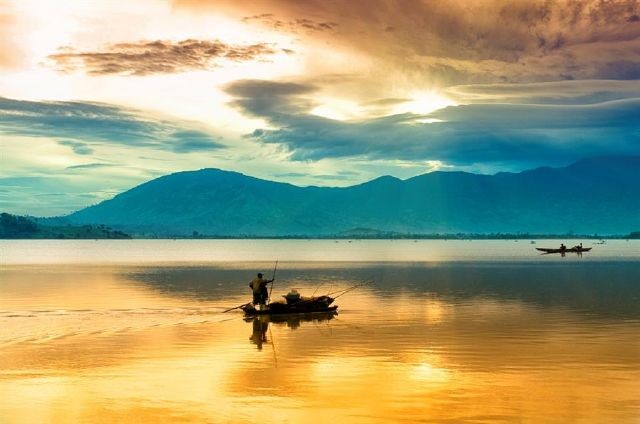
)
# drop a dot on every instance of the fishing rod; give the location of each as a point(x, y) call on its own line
point(273, 279)
point(343, 291)
point(348, 289)
point(235, 307)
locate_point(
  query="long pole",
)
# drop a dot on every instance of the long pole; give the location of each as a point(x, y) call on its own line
point(273, 279)
point(235, 307)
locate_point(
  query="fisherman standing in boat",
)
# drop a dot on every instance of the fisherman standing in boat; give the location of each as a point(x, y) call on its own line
point(259, 287)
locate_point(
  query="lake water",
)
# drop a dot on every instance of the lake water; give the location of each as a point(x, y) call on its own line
point(448, 331)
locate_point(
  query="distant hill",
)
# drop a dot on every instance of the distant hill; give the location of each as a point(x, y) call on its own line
point(596, 195)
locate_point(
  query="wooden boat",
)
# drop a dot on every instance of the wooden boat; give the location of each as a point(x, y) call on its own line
point(302, 306)
point(568, 250)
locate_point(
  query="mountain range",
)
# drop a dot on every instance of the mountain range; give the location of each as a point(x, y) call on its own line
point(594, 195)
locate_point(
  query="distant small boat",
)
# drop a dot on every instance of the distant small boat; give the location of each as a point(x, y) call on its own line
point(568, 250)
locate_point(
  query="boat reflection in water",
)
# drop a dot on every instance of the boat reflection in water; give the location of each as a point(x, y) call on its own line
point(293, 321)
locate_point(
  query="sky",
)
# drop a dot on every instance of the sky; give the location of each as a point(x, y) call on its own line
point(98, 96)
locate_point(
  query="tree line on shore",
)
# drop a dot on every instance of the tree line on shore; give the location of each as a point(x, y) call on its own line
point(22, 227)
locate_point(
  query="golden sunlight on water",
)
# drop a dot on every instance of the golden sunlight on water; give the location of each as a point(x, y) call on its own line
point(436, 343)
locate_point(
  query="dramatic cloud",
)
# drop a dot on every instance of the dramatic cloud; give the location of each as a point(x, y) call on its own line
point(78, 147)
point(376, 87)
point(463, 135)
point(450, 42)
point(295, 25)
point(157, 57)
point(78, 124)
point(273, 99)
point(559, 92)
point(90, 166)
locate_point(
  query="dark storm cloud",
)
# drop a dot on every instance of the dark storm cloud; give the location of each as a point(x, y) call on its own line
point(157, 57)
point(77, 124)
point(468, 134)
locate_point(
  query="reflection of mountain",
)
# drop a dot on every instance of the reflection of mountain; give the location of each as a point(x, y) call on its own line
point(603, 289)
point(599, 195)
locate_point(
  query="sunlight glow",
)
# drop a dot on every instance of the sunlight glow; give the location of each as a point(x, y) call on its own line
point(428, 121)
point(427, 372)
point(423, 103)
point(337, 109)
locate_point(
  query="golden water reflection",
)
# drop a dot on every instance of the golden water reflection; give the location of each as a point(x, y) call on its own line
point(136, 353)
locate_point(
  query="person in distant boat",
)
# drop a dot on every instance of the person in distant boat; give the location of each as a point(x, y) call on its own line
point(259, 287)
point(578, 246)
point(563, 247)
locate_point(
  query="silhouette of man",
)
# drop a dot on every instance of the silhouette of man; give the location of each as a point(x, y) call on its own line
point(259, 287)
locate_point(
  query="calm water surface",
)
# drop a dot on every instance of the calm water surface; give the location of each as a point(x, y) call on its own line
point(132, 331)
